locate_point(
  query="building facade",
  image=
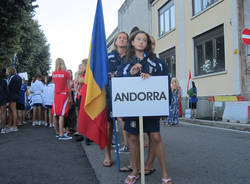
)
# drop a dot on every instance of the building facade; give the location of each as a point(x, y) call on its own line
point(204, 37)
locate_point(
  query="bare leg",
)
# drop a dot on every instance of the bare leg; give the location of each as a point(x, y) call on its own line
point(145, 139)
point(14, 113)
point(34, 113)
point(55, 121)
point(40, 113)
point(3, 115)
point(194, 113)
point(10, 118)
point(23, 115)
point(50, 116)
point(107, 157)
point(61, 125)
point(151, 154)
point(160, 153)
point(125, 133)
point(46, 115)
point(134, 152)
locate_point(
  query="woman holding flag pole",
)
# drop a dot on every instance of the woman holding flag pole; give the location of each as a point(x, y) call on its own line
point(114, 60)
point(140, 62)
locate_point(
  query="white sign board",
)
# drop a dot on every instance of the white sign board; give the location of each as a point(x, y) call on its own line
point(24, 75)
point(134, 96)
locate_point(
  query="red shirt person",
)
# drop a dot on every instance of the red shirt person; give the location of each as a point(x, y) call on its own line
point(62, 97)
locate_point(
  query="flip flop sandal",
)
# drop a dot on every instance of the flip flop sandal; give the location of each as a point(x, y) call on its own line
point(126, 169)
point(165, 181)
point(131, 179)
point(149, 171)
point(107, 163)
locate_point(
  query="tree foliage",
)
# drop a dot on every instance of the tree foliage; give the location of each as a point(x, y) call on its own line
point(21, 34)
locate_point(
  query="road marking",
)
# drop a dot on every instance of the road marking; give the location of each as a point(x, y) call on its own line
point(218, 128)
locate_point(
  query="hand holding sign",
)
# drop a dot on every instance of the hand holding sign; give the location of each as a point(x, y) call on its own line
point(135, 69)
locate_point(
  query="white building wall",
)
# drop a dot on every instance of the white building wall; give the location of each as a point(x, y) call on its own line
point(234, 21)
point(135, 13)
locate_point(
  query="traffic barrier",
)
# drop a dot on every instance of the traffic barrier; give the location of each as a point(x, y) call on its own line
point(218, 101)
point(237, 112)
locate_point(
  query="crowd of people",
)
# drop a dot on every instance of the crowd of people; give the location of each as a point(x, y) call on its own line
point(54, 101)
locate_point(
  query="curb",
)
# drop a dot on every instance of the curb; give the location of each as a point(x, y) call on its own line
point(221, 124)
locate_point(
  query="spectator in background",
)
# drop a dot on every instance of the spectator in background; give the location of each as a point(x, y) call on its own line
point(173, 118)
point(62, 97)
point(193, 100)
point(48, 96)
point(14, 83)
point(21, 103)
point(79, 83)
point(36, 90)
point(3, 99)
point(180, 105)
point(70, 120)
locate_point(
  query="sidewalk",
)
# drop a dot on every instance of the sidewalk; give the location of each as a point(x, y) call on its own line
point(221, 124)
point(110, 175)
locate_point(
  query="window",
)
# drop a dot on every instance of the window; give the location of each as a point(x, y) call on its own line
point(199, 5)
point(166, 17)
point(209, 52)
point(169, 57)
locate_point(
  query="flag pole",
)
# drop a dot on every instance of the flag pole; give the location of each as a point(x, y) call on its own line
point(142, 149)
point(14, 60)
point(116, 145)
point(115, 134)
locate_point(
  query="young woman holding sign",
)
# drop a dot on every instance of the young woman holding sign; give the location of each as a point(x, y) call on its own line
point(140, 61)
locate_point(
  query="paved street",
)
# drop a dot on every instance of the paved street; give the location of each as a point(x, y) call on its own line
point(195, 155)
point(34, 156)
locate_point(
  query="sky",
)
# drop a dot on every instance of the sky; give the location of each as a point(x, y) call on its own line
point(68, 24)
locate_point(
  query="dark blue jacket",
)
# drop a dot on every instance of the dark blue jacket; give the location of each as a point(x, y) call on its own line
point(3, 92)
point(14, 83)
point(114, 61)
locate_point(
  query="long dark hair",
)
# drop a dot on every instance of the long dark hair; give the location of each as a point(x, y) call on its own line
point(2, 74)
point(131, 49)
point(193, 84)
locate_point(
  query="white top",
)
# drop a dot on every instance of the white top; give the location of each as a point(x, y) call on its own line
point(48, 94)
point(36, 90)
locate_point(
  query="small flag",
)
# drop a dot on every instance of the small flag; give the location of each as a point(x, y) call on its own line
point(92, 121)
point(14, 60)
point(189, 85)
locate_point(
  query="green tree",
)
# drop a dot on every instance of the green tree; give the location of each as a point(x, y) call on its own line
point(20, 34)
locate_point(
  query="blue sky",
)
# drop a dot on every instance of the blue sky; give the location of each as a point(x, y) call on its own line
point(68, 26)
